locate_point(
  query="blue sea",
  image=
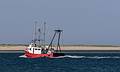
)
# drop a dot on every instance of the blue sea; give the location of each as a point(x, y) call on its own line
point(72, 62)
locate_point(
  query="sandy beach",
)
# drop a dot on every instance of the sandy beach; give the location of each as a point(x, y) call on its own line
point(12, 47)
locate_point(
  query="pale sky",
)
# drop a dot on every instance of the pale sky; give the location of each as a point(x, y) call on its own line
point(83, 21)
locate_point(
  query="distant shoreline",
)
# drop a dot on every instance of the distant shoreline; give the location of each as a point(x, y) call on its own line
point(67, 51)
point(19, 48)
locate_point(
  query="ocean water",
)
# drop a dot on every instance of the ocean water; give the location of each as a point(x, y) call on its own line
point(72, 62)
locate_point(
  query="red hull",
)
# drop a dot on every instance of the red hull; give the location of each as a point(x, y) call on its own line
point(30, 55)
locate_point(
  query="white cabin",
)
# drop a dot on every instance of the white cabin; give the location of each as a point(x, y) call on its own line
point(34, 49)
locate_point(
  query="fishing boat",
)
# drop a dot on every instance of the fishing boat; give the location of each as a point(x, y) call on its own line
point(36, 50)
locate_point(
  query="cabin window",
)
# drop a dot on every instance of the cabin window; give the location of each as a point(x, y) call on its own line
point(35, 49)
point(30, 48)
point(38, 49)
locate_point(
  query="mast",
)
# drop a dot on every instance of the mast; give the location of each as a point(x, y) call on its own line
point(44, 33)
point(34, 33)
point(39, 30)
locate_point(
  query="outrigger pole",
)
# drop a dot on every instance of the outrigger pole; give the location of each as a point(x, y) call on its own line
point(58, 43)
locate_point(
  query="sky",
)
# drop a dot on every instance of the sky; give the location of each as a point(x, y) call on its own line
point(82, 21)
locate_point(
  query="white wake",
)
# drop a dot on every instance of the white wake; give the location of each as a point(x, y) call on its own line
point(90, 57)
point(22, 56)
